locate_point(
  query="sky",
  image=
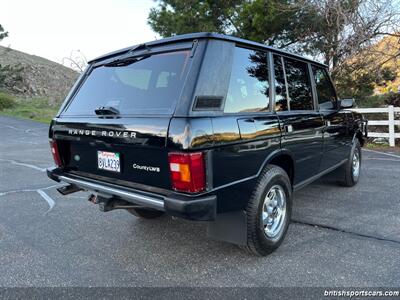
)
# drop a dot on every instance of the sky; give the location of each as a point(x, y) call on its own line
point(54, 28)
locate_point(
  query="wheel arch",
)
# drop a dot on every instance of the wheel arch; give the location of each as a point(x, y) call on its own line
point(358, 135)
point(282, 158)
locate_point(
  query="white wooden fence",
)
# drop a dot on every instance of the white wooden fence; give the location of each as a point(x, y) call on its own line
point(391, 122)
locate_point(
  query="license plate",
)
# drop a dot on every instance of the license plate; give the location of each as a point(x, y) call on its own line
point(108, 161)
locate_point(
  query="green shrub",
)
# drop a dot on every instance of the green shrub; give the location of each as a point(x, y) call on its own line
point(37, 109)
point(6, 101)
point(393, 99)
point(379, 100)
point(372, 101)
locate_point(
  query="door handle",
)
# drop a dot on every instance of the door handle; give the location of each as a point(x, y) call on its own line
point(288, 128)
point(327, 126)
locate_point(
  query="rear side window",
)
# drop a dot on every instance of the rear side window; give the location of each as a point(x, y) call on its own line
point(292, 85)
point(151, 85)
point(281, 101)
point(326, 93)
point(299, 87)
point(248, 86)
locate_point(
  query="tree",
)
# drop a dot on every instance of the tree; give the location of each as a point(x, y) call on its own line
point(343, 28)
point(260, 20)
point(3, 33)
point(334, 31)
point(76, 60)
point(275, 22)
point(173, 17)
point(345, 34)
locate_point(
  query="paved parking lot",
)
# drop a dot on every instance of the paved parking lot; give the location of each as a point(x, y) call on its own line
point(342, 237)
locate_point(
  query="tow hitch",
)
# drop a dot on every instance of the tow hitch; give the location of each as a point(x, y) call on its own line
point(108, 203)
point(68, 189)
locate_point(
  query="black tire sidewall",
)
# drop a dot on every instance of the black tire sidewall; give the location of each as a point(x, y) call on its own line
point(356, 147)
point(277, 178)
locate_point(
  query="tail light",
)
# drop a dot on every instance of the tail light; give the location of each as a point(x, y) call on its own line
point(55, 152)
point(188, 172)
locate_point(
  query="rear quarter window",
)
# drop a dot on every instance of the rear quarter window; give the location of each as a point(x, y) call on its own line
point(248, 87)
point(148, 86)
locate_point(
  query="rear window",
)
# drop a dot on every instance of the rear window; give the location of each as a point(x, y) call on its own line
point(148, 86)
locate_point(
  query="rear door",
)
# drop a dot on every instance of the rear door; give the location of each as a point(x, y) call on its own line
point(248, 129)
point(301, 124)
point(126, 142)
point(336, 131)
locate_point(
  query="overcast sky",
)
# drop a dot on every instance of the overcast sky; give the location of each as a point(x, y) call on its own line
point(53, 28)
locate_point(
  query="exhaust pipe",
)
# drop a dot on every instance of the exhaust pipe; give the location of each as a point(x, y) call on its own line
point(93, 198)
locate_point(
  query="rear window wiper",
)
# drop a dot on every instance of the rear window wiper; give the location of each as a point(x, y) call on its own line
point(121, 62)
point(106, 111)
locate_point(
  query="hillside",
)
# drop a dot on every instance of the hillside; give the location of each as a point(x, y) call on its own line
point(387, 53)
point(39, 77)
point(381, 60)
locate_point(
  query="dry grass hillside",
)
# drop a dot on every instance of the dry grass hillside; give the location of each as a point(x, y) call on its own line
point(387, 53)
point(39, 77)
point(375, 60)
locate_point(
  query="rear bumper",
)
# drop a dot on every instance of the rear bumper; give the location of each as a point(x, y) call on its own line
point(201, 208)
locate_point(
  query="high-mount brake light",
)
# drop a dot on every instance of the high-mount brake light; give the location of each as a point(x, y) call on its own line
point(188, 173)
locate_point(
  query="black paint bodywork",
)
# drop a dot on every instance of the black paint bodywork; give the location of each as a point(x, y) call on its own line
point(237, 146)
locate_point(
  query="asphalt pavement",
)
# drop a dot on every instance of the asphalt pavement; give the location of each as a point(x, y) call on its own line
point(339, 237)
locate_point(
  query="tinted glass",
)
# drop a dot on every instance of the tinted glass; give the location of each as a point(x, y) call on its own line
point(148, 86)
point(299, 86)
point(248, 86)
point(325, 91)
point(281, 102)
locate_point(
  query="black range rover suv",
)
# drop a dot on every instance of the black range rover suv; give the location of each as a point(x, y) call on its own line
point(205, 127)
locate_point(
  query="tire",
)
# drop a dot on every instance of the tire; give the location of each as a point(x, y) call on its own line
point(145, 213)
point(351, 169)
point(261, 239)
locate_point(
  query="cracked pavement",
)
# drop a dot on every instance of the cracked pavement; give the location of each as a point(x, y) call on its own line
point(343, 237)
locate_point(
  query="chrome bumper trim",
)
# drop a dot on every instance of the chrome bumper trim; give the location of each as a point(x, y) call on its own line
point(128, 196)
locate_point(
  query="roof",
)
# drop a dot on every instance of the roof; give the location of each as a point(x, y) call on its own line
point(206, 35)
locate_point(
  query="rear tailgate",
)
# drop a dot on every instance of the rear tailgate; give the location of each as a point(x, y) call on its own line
point(136, 147)
point(115, 126)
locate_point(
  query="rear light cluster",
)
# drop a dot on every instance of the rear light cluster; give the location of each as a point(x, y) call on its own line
point(55, 152)
point(188, 173)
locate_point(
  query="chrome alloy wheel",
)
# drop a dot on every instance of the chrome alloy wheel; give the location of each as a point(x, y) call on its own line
point(356, 164)
point(274, 211)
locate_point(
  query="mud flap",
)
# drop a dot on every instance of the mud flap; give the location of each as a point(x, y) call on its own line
point(229, 227)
